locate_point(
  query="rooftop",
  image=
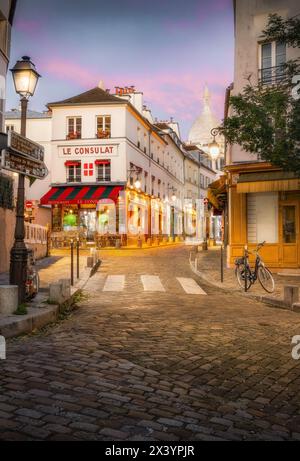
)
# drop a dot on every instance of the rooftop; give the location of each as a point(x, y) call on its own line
point(94, 96)
point(16, 114)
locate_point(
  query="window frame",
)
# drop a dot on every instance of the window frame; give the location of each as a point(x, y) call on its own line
point(75, 134)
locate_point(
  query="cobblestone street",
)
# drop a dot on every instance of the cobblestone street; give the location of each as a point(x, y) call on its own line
point(142, 359)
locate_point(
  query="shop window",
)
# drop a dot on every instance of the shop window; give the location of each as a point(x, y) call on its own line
point(88, 169)
point(289, 224)
point(103, 127)
point(70, 218)
point(103, 170)
point(74, 128)
point(73, 172)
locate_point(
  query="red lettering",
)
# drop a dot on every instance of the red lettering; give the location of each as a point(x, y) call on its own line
point(76, 151)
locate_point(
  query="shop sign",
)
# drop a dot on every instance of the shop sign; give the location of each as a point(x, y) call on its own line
point(23, 165)
point(88, 150)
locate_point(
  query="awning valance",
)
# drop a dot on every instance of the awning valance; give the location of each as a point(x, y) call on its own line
point(67, 195)
point(102, 162)
point(269, 181)
point(216, 193)
point(72, 163)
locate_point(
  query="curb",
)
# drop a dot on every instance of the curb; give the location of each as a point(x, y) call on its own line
point(42, 314)
point(259, 298)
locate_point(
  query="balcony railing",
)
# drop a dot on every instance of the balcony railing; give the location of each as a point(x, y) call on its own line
point(272, 75)
point(74, 178)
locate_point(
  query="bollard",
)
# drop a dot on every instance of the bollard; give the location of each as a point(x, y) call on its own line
point(66, 288)
point(291, 294)
point(77, 252)
point(245, 268)
point(56, 293)
point(72, 262)
point(222, 264)
point(8, 299)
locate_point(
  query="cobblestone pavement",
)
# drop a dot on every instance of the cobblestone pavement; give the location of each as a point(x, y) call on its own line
point(143, 365)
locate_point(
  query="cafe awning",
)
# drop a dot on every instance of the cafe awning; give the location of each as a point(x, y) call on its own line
point(216, 193)
point(67, 195)
point(267, 181)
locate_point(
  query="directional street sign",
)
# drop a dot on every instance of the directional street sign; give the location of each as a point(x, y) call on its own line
point(21, 155)
point(19, 164)
point(24, 146)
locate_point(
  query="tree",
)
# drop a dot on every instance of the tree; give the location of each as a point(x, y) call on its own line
point(266, 118)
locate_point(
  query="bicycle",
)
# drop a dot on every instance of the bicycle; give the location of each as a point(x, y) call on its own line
point(33, 279)
point(247, 277)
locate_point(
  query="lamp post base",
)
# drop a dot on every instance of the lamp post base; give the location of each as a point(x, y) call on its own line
point(18, 269)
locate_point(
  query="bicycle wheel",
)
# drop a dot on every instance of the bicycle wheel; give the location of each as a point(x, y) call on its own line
point(240, 275)
point(266, 279)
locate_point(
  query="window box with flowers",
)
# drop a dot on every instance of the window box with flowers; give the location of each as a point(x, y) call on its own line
point(74, 135)
point(102, 134)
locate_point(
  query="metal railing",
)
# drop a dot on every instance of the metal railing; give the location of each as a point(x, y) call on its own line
point(272, 75)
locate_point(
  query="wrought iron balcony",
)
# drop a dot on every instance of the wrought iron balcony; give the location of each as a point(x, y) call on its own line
point(272, 75)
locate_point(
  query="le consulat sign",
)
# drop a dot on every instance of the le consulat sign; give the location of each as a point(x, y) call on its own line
point(89, 150)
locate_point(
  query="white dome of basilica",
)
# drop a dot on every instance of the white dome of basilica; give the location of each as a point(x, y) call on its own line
point(200, 133)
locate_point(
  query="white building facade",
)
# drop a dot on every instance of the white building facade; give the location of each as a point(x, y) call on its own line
point(113, 173)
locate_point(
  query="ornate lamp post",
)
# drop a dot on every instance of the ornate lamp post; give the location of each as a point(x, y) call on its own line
point(214, 148)
point(25, 79)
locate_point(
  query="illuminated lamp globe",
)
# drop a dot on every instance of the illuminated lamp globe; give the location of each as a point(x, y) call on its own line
point(214, 150)
point(25, 77)
point(137, 184)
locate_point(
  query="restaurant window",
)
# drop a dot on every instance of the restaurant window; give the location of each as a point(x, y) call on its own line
point(74, 128)
point(56, 218)
point(289, 224)
point(103, 170)
point(88, 169)
point(70, 218)
point(73, 171)
point(103, 127)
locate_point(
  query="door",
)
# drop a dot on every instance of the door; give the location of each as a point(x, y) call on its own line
point(289, 230)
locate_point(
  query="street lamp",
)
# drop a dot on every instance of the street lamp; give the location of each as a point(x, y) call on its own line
point(137, 182)
point(173, 196)
point(214, 147)
point(25, 79)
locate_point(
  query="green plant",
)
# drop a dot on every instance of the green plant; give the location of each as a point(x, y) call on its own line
point(21, 310)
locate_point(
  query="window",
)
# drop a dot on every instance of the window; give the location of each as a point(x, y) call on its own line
point(10, 128)
point(289, 224)
point(273, 58)
point(152, 184)
point(73, 171)
point(103, 170)
point(145, 180)
point(103, 127)
point(74, 128)
point(88, 169)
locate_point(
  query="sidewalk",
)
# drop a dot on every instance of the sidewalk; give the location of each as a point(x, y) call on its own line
point(39, 312)
point(209, 268)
